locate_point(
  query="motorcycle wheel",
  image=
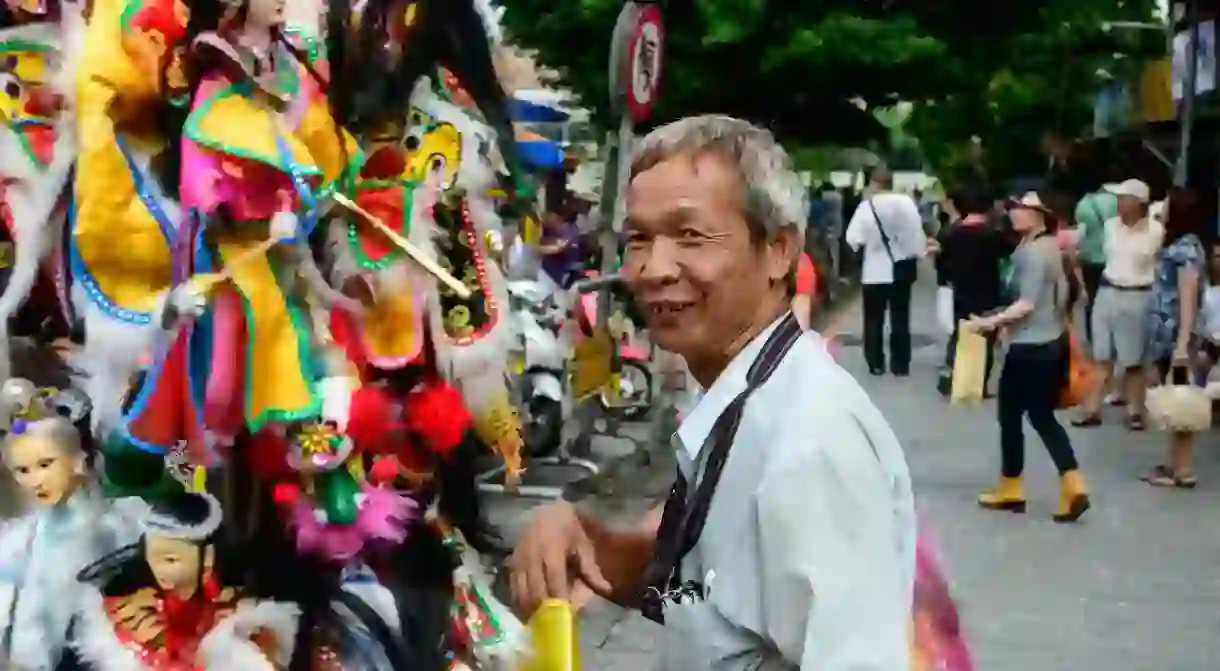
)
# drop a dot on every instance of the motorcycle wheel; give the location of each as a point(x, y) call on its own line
point(544, 432)
point(636, 407)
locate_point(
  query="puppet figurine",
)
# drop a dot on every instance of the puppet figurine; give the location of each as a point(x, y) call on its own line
point(165, 604)
point(36, 151)
point(66, 528)
point(259, 148)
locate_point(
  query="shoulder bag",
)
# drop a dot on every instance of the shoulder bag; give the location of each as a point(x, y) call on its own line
point(906, 270)
point(682, 521)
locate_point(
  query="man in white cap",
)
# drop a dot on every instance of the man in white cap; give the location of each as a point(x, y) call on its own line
point(1132, 243)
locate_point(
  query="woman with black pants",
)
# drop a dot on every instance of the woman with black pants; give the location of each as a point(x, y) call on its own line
point(1036, 365)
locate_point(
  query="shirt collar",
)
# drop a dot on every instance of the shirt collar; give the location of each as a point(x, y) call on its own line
point(732, 381)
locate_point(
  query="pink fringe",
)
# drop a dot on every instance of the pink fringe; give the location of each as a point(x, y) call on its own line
point(384, 516)
point(939, 643)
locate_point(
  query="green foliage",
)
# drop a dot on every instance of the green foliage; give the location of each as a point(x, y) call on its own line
point(1003, 72)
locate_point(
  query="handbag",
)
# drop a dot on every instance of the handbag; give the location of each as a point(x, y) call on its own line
point(1177, 406)
point(906, 271)
point(1083, 376)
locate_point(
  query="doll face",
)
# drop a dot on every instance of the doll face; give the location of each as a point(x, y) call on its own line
point(264, 13)
point(176, 564)
point(43, 470)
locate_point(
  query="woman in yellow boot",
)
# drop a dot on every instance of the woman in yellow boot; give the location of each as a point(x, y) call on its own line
point(1036, 365)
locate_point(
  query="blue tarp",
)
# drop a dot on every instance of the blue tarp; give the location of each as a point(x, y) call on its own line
point(528, 112)
point(540, 153)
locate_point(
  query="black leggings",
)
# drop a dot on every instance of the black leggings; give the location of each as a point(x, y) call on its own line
point(1030, 384)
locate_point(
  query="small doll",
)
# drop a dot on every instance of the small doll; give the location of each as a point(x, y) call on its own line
point(162, 604)
point(66, 527)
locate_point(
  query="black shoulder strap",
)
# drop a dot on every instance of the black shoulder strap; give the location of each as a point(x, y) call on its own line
point(682, 521)
point(885, 239)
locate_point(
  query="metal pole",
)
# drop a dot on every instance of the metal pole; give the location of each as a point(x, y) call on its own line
point(1186, 118)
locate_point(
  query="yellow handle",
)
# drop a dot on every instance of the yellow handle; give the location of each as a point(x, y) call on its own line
point(556, 646)
point(412, 251)
point(200, 481)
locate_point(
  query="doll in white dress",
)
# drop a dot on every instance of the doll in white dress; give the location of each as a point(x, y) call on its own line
point(66, 527)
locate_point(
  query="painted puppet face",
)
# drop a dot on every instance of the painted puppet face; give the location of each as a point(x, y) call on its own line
point(176, 564)
point(44, 470)
point(265, 13)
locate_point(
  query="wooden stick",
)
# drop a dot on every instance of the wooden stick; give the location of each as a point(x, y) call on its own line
point(205, 281)
point(412, 251)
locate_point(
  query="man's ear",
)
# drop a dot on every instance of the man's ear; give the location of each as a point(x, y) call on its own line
point(781, 253)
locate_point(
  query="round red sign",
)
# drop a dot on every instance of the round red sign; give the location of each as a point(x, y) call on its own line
point(643, 67)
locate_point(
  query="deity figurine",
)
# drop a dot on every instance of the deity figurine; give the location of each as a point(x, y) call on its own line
point(67, 527)
point(259, 149)
point(165, 603)
point(36, 155)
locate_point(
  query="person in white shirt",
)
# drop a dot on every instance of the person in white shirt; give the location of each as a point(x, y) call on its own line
point(788, 541)
point(1132, 246)
point(889, 228)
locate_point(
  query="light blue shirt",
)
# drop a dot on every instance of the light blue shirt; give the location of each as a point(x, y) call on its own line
point(815, 499)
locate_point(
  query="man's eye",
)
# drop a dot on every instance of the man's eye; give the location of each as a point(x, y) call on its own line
point(23, 470)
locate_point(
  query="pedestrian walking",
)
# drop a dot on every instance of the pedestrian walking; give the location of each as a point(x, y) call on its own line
point(970, 255)
point(888, 227)
point(779, 547)
point(1036, 364)
point(1132, 244)
point(1172, 343)
point(1092, 212)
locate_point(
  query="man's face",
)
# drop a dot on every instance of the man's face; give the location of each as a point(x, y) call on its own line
point(1129, 207)
point(689, 260)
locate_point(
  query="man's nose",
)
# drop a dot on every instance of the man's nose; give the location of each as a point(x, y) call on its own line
point(661, 263)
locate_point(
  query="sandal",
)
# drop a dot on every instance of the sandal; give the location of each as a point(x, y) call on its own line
point(1087, 421)
point(1136, 423)
point(1163, 476)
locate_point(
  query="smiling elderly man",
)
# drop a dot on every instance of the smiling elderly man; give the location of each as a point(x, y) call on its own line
point(788, 539)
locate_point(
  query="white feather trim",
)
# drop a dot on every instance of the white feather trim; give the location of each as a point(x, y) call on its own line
point(32, 202)
point(227, 647)
point(111, 356)
point(96, 642)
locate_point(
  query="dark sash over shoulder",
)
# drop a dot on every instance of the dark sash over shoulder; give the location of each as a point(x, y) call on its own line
point(682, 522)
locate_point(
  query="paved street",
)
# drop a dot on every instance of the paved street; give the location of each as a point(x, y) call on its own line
point(1134, 587)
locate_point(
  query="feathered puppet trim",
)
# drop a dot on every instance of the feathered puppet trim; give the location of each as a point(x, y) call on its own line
point(230, 645)
point(433, 414)
point(938, 641)
point(383, 515)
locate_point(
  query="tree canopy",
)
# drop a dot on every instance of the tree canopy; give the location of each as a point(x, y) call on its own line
point(970, 68)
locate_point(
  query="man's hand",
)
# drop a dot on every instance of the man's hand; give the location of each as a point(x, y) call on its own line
point(554, 554)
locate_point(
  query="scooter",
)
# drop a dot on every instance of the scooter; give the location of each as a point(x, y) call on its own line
point(630, 395)
point(543, 314)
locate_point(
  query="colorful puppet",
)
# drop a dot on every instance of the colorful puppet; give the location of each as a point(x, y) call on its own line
point(126, 222)
point(166, 603)
point(66, 527)
point(37, 151)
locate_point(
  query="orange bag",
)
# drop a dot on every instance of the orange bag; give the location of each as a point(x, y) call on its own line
point(1083, 376)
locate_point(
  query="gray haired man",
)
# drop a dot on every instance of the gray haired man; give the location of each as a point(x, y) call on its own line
point(788, 539)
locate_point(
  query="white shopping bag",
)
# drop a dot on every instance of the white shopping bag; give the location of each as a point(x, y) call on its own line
point(944, 308)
